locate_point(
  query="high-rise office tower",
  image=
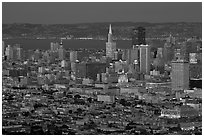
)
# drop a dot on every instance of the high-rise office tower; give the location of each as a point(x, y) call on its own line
point(120, 55)
point(19, 53)
point(110, 45)
point(144, 59)
point(134, 55)
point(158, 62)
point(140, 55)
point(169, 49)
point(135, 66)
point(61, 51)
point(73, 56)
point(130, 55)
point(54, 46)
point(159, 53)
point(180, 75)
point(9, 52)
point(3, 48)
point(125, 54)
point(80, 70)
point(134, 37)
point(116, 55)
point(138, 36)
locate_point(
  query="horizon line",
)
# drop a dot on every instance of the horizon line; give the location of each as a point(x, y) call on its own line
point(101, 22)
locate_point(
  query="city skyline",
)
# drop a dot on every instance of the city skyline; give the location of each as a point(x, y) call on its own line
point(91, 12)
point(131, 78)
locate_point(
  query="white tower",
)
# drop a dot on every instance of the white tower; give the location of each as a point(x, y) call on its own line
point(110, 45)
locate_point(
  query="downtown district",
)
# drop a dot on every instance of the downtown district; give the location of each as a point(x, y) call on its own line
point(142, 90)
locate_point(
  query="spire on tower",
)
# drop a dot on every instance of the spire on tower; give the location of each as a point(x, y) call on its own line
point(110, 30)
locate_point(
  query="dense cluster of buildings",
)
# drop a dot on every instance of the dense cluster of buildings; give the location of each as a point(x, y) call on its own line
point(113, 91)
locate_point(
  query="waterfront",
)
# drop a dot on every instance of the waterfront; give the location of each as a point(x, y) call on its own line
point(75, 44)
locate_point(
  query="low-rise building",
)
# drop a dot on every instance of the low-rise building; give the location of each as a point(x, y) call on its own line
point(183, 111)
point(106, 98)
point(170, 113)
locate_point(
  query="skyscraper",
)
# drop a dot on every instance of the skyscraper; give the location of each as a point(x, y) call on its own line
point(19, 52)
point(73, 56)
point(138, 36)
point(144, 59)
point(169, 49)
point(180, 75)
point(61, 52)
point(125, 54)
point(140, 54)
point(158, 62)
point(159, 52)
point(134, 55)
point(9, 52)
point(54, 46)
point(3, 48)
point(130, 55)
point(110, 45)
point(116, 55)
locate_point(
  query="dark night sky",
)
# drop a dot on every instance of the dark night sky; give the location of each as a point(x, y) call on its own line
point(59, 13)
